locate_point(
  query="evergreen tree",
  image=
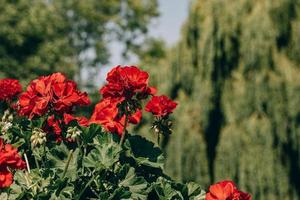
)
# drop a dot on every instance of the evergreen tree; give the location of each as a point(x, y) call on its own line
point(236, 75)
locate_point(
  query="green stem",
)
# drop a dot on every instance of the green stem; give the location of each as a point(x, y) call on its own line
point(36, 163)
point(44, 155)
point(27, 163)
point(83, 155)
point(124, 130)
point(68, 163)
point(85, 187)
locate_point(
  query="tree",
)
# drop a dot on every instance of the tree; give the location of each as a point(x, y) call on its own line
point(43, 36)
point(235, 73)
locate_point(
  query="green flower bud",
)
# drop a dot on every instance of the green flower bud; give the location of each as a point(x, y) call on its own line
point(5, 126)
point(10, 118)
point(73, 133)
point(5, 115)
point(38, 137)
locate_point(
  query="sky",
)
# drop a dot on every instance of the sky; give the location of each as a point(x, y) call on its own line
point(173, 15)
point(167, 26)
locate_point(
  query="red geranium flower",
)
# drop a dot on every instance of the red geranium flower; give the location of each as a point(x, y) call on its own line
point(66, 95)
point(82, 121)
point(6, 178)
point(106, 114)
point(53, 91)
point(226, 190)
point(160, 106)
point(125, 82)
point(54, 126)
point(9, 88)
point(9, 158)
point(136, 117)
point(36, 99)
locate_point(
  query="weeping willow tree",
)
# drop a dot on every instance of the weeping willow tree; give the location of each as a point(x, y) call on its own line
point(236, 75)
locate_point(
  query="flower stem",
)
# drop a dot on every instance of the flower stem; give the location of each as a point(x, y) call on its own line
point(68, 163)
point(85, 187)
point(124, 129)
point(27, 163)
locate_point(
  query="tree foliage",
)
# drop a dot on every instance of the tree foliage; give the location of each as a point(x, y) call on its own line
point(235, 72)
point(38, 37)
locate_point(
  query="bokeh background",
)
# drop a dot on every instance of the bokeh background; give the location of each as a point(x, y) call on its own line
point(233, 66)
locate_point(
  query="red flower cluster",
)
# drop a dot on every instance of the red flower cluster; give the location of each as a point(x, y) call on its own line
point(128, 84)
point(226, 190)
point(106, 113)
point(125, 82)
point(9, 88)
point(9, 158)
point(160, 106)
point(51, 92)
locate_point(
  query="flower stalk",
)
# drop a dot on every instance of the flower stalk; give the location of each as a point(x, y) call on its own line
point(124, 129)
point(68, 163)
point(27, 163)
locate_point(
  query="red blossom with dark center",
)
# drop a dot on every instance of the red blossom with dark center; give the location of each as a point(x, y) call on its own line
point(106, 113)
point(160, 106)
point(9, 158)
point(125, 82)
point(226, 190)
point(9, 88)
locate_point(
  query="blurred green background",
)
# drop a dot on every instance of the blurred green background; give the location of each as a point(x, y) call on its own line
point(235, 72)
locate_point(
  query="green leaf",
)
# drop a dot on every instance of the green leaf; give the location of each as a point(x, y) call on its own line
point(144, 152)
point(29, 185)
point(165, 191)
point(106, 152)
point(120, 193)
point(60, 156)
point(39, 152)
point(65, 194)
point(194, 190)
point(137, 185)
point(90, 132)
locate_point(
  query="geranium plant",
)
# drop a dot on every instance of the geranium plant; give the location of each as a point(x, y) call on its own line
point(46, 152)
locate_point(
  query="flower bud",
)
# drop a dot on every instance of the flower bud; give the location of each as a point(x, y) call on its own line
point(73, 133)
point(5, 115)
point(38, 137)
point(156, 129)
point(5, 126)
point(10, 118)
